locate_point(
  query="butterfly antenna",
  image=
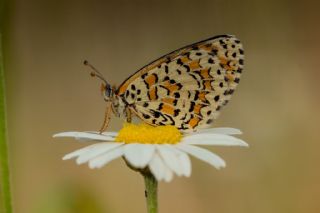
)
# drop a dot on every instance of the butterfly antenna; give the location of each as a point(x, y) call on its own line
point(95, 72)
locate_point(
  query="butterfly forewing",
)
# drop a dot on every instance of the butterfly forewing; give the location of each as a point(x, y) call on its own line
point(188, 87)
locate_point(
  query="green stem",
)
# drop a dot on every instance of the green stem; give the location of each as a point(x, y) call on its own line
point(151, 192)
point(5, 205)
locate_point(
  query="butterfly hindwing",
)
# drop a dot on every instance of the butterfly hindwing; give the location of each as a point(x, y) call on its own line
point(188, 87)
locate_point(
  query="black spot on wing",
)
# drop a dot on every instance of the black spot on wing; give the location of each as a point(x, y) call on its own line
point(195, 48)
point(228, 92)
point(156, 114)
point(239, 70)
point(145, 104)
point(196, 95)
point(175, 102)
point(179, 62)
point(209, 121)
point(160, 106)
point(146, 116)
point(144, 75)
point(187, 67)
point(166, 69)
point(192, 104)
point(132, 95)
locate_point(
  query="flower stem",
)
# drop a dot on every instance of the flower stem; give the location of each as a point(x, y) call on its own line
point(151, 192)
point(5, 205)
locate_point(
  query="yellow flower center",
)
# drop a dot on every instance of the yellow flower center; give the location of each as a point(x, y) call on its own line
point(143, 133)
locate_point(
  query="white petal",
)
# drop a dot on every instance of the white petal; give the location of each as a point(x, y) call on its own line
point(170, 157)
point(99, 149)
point(168, 175)
point(203, 155)
point(183, 160)
point(104, 159)
point(85, 136)
point(185, 163)
point(78, 152)
point(138, 155)
point(221, 130)
point(213, 139)
point(112, 134)
point(156, 167)
point(159, 169)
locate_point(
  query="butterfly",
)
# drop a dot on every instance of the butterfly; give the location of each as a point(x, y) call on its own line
point(186, 88)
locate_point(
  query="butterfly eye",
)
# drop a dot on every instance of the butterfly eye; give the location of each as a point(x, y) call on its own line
point(107, 91)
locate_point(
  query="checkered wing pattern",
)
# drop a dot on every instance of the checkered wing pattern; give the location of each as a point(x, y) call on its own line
point(188, 87)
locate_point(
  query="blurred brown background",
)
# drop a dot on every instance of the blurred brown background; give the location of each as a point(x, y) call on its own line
point(276, 104)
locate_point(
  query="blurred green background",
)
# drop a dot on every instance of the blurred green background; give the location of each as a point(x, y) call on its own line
point(276, 104)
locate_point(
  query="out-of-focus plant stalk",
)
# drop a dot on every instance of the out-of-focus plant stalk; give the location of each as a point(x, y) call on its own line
point(151, 192)
point(5, 197)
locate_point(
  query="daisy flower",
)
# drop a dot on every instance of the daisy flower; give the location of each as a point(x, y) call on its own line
point(164, 151)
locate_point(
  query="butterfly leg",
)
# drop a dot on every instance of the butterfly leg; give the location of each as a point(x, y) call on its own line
point(129, 115)
point(107, 117)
